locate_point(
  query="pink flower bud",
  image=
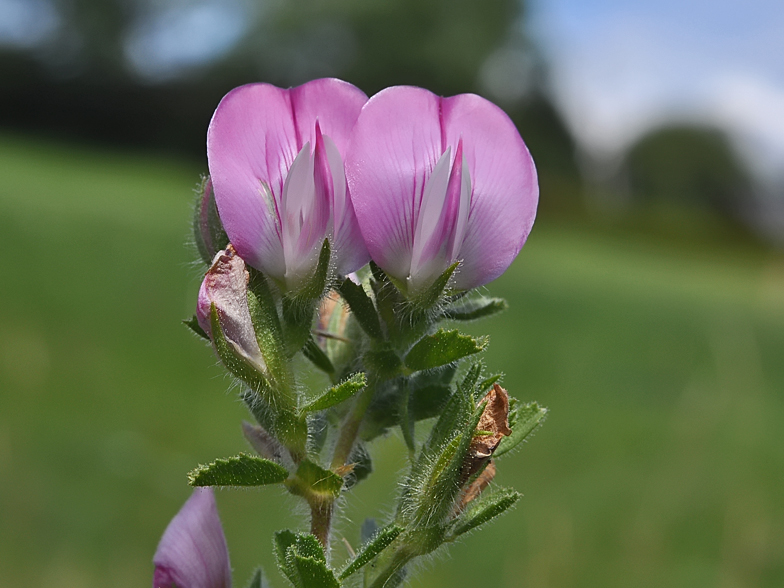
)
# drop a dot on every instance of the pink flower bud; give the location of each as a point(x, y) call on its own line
point(438, 180)
point(226, 286)
point(192, 552)
point(276, 164)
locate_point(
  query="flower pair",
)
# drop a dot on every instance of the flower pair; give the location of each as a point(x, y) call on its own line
point(411, 180)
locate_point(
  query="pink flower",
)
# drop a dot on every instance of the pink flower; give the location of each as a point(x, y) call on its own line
point(438, 180)
point(192, 552)
point(276, 165)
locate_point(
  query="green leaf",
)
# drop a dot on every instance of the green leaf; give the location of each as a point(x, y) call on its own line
point(527, 419)
point(441, 348)
point(241, 470)
point(257, 580)
point(428, 402)
point(193, 324)
point(379, 543)
point(313, 480)
point(301, 559)
point(362, 308)
point(383, 361)
point(310, 572)
point(337, 394)
point(484, 509)
point(429, 392)
point(317, 357)
point(281, 541)
point(475, 308)
point(406, 422)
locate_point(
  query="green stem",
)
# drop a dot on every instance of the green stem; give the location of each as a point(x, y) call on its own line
point(351, 424)
point(401, 558)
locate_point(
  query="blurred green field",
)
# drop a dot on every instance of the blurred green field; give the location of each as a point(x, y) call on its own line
point(662, 462)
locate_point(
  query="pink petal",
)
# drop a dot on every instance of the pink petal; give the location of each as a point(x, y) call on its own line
point(395, 146)
point(335, 104)
point(427, 256)
point(251, 143)
point(192, 552)
point(505, 191)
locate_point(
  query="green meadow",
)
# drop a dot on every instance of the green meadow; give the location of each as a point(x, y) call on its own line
point(661, 463)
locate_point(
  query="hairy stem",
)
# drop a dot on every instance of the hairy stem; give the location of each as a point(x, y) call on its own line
point(401, 558)
point(320, 521)
point(350, 427)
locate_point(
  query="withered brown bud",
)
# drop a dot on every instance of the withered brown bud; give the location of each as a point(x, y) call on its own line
point(493, 426)
point(475, 488)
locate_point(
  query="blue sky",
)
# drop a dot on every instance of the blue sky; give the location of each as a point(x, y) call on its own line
point(620, 67)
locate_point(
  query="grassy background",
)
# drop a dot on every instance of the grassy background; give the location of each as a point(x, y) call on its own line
point(662, 463)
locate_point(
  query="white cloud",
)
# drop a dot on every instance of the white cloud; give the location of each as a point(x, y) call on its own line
point(620, 68)
point(26, 23)
point(184, 36)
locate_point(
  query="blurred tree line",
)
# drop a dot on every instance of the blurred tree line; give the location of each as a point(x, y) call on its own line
point(95, 77)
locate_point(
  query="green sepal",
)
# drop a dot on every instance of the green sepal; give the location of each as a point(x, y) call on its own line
point(241, 470)
point(526, 419)
point(430, 297)
point(378, 543)
point(337, 394)
point(216, 233)
point(362, 308)
point(314, 287)
point(299, 306)
point(436, 477)
point(388, 298)
point(193, 324)
point(484, 509)
point(485, 385)
point(317, 357)
point(475, 308)
point(441, 348)
point(312, 482)
point(235, 362)
point(301, 559)
point(455, 414)
point(258, 580)
point(269, 334)
point(468, 385)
